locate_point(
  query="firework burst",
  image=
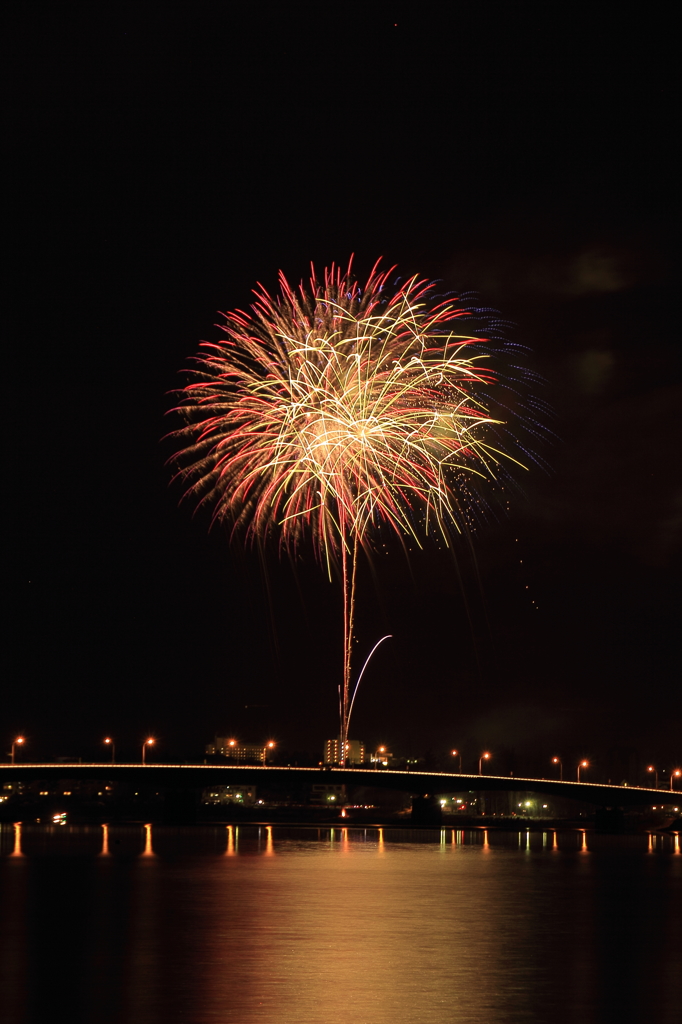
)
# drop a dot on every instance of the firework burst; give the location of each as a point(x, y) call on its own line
point(335, 409)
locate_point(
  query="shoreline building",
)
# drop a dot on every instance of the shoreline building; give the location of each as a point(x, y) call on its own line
point(382, 756)
point(242, 796)
point(226, 746)
point(355, 751)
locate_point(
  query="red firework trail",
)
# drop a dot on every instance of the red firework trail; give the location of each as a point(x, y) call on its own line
point(331, 409)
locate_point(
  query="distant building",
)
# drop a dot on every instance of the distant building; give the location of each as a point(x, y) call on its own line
point(243, 796)
point(382, 757)
point(331, 795)
point(246, 752)
point(355, 752)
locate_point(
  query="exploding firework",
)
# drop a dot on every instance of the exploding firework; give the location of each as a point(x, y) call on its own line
point(336, 410)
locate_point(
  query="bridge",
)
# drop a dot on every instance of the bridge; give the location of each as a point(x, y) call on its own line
point(418, 783)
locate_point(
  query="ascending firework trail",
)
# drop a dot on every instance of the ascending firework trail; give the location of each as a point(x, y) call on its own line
point(333, 409)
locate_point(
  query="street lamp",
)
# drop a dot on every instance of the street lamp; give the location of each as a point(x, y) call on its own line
point(147, 743)
point(652, 769)
point(379, 756)
point(583, 764)
point(482, 758)
point(456, 753)
point(270, 745)
point(17, 743)
point(110, 743)
point(557, 760)
point(675, 775)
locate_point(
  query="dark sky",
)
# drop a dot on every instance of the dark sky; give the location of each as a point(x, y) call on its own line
point(165, 157)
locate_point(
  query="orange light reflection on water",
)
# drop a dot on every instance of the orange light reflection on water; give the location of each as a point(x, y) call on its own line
point(289, 930)
point(148, 847)
point(16, 852)
point(230, 851)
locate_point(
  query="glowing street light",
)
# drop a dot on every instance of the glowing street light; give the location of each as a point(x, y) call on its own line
point(583, 764)
point(652, 769)
point(482, 758)
point(17, 743)
point(270, 745)
point(147, 743)
point(379, 757)
point(110, 743)
point(557, 760)
point(675, 775)
point(457, 753)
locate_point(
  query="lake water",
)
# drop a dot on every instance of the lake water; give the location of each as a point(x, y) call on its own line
point(238, 925)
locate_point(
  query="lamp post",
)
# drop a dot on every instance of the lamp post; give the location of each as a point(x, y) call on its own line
point(482, 758)
point(655, 771)
point(17, 743)
point(583, 764)
point(147, 743)
point(110, 743)
point(270, 745)
point(557, 760)
point(456, 753)
point(674, 775)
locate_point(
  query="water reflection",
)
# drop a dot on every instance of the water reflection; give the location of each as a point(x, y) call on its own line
point(148, 846)
point(230, 851)
point(17, 852)
point(269, 850)
point(472, 927)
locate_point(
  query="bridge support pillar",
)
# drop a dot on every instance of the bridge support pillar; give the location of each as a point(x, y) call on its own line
point(609, 819)
point(426, 812)
point(180, 805)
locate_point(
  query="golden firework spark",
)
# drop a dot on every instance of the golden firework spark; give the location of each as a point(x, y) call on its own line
point(333, 409)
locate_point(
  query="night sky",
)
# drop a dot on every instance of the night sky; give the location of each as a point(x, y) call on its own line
point(163, 158)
